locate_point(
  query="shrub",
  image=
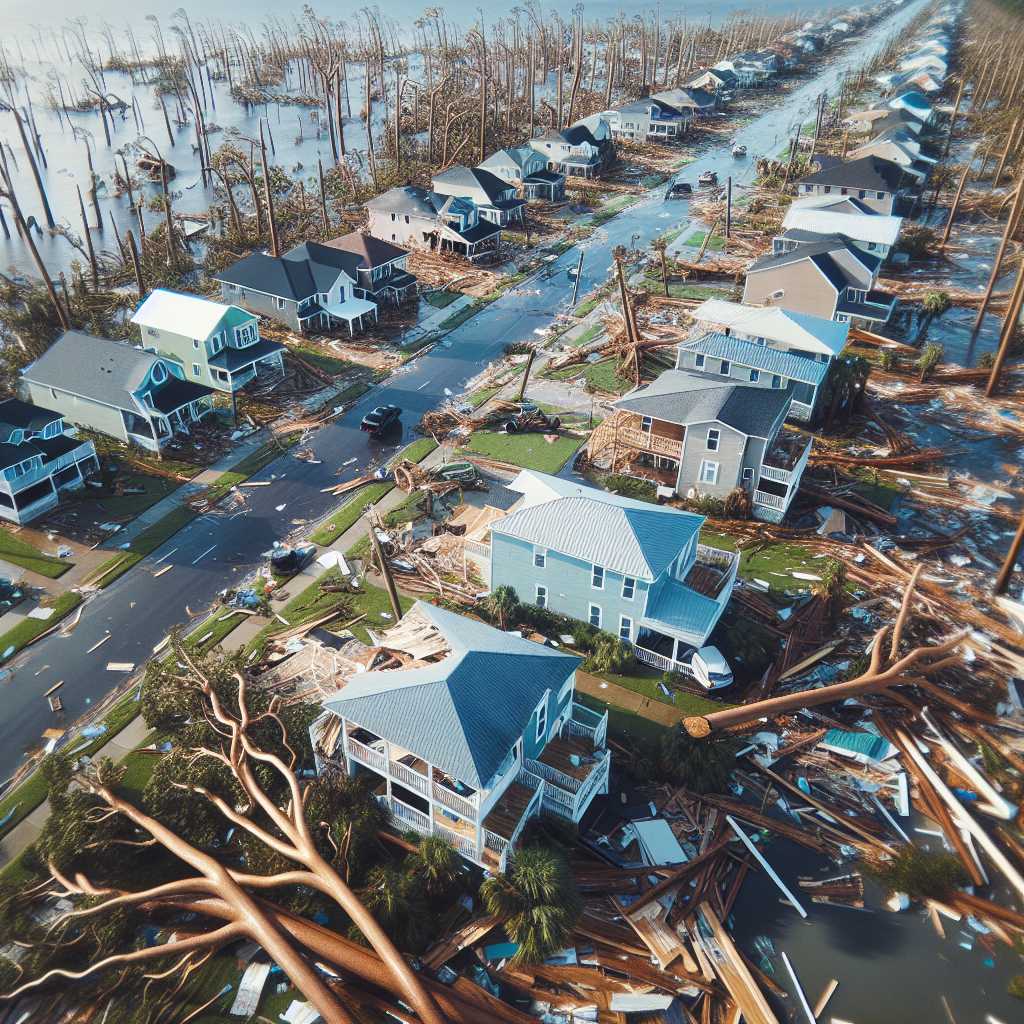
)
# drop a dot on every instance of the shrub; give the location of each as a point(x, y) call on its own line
point(707, 505)
point(921, 874)
point(610, 655)
point(930, 357)
point(737, 504)
point(887, 359)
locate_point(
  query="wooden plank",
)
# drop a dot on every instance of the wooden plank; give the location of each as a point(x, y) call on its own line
point(468, 935)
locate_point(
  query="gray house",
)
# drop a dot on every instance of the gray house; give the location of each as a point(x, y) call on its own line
point(495, 199)
point(39, 457)
point(312, 287)
point(826, 276)
point(381, 268)
point(418, 219)
point(584, 149)
point(706, 434)
point(526, 169)
point(649, 118)
point(701, 102)
point(877, 183)
point(115, 389)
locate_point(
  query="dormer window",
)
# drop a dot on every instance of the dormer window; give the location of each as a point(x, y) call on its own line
point(159, 374)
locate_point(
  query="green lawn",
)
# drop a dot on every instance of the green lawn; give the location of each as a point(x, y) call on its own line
point(13, 549)
point(611, 209)
point(477, 398)
point(530, 451)
point(593, 332)
point(586, 306)
point(623, 726)
point(139, 765)
point(28, 629)
point(440, 299)
point(696, 240)
point(600, 376)
point(765, 561)
point(322, 358)
point(122, 507)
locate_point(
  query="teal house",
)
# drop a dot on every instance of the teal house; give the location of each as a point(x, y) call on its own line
point(477, 732)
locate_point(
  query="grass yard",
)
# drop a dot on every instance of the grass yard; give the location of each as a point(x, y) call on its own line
point(586, 306)
point(773, 563)
point(611, 209)
point(28, 629)
point(592, 333)
point(322, 358)
point(530, 451)
point(623, 726)
point(138, 765)
point(19, 552)
point(603, 376)
point(440, 299)
point(460, 316)
point(696, 240)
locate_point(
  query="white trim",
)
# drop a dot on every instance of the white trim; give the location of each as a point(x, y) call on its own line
point(590, 615)
point(594, 570)
point(707, 464)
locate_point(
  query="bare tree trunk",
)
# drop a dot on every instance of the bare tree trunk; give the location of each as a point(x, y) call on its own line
point(47, 212)
point(88, 241)
point(268, 194)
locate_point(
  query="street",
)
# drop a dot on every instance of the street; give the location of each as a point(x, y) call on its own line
point(215, 552)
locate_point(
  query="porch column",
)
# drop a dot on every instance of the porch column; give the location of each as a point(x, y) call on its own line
point(351, 330)
point(675, 649)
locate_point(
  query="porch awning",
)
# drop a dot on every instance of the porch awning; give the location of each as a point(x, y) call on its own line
point(350, 309)
point(679, 611)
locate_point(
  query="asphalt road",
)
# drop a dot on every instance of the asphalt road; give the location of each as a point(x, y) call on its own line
point(215, 551)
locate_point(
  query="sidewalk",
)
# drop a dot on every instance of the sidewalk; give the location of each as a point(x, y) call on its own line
point(433, 320)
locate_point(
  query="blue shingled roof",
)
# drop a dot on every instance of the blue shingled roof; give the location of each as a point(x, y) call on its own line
point(867, 744)
point(464, 712)
point(674, 607)
point(759, 357)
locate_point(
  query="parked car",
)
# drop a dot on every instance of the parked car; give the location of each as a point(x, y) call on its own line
point(679, 189)
point(711, 669)
point(380, 419)
point(708, 178)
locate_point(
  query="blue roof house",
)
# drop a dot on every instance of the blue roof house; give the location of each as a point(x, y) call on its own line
point(631, 568)
point(473, 734)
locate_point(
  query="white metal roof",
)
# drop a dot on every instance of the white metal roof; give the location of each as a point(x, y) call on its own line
point(797, 330)
point(861, 227)
point(187, 315)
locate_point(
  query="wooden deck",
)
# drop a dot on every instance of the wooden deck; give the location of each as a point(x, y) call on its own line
point(706, 579)
point(507, 812)
point(558, 752)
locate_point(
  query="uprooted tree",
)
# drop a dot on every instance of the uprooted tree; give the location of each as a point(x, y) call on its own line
point(221, 892)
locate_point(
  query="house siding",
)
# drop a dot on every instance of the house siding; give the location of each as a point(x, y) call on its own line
point(78, 410)
point(805, 289)
point(402, 231)
point(532, 747)
point(568, 581)
point(868, 197)
point(258, 302)
point(729, 456)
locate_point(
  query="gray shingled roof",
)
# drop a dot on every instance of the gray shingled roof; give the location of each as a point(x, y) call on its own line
point(681, 397)
point(867, 172)
point(473, 178)
point(97, 368)
point(463, 713)
point(409, 199)
point(368, 250)
point(822, 247)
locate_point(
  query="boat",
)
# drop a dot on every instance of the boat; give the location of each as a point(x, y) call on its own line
point(708, 178)
point(739, 151)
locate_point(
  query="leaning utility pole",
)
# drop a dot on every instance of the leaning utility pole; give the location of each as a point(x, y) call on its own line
point(385, 568)
point(1003, 579)
point(1010, 325)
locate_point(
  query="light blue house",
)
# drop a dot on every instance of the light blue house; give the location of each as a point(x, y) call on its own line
point(633, 569)
point(475, 734)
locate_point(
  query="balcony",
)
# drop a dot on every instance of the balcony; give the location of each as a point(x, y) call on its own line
point(646, 441)
point(784, 462)
point(19, 483)
point(876, 305)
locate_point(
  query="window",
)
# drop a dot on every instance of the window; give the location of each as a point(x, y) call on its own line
point(698, 361)
point(748, 474)
point(407, 218)
point(828, 188)
point(628, 588)
point(625, 628)
point(540, 558)
point(862, 194)
point(542, 597)
point(394, 217)
point(708, 472)
point(597, 577)
point(843, 191)
point(880, 195)
point(279, 302)
point(726, 367)
point(152, 332)
point(714, 435)
point(195, 343)
point(595, 616)
point(776, 381)
point(159, 374)
point(542, 719)
point(196, 370)
point(755, 375)
point(645, 424)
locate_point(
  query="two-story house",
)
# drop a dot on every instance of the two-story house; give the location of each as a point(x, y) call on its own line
point(709, 434)
point(584, 149)
point(213, 344)
point(874, 233)
point(827, 277)
point(765, 346)
point(381, 268)
point(474, 734)
point(116, 389)
point(527, 170)
point(701, 103)
point(648, 119)
point(418, 219)
point(714, 80)
point(494, 198)
point(899, 147)
point(631, 568)
point(39, 457)
point(877, 183)
point(310, 288)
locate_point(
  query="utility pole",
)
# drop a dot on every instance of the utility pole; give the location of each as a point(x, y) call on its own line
point(526, 375)
point(576, 282)
point(728, 207)
point(1010, 324)
point(385, 568)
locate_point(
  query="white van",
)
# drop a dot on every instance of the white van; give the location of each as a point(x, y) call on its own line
point(711, 669)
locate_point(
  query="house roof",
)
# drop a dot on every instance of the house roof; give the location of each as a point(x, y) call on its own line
point(759, 357)
point(175, 393)
point(674, 607)
point(686, 98)
point(832, 201)
point(471, 179)
point(19, 415)
point(97, 368)
point(301, 272)
point(873, 227)
point(678, 396)
point(231, 359)
point(409, 199)
point(820, 254)
point(635, 538)
point(188, 315)
point(464, 712)
point(370, 251)
point(517, 155)
point(797, 330)
point(867, 172)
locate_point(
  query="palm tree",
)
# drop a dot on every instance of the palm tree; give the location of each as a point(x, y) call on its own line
point(930, 357)
point(388, 895)
point(435, 866)
point(831, 587)
point(502, 605)
point(537, 899)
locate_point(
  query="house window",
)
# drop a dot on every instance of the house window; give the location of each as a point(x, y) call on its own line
point(597, 577)
point(628, 588)
point(595, 616)
point(880, 195)
point(196, 370)
point(394, 217)
point(828, 188)
point(542, 719)
point(776, 381)
point(407, 218)
point(726, 367)
point(195, 343)
point(843, 191)
point(863, 193)
point(755, 375)
point(708, 472)
point(698, 361)
point(645, 424)
point(748, 474)
point(625, 628)
point(159, 373)
point(152, 332)
point(279, 302)
point(540, 558)
point(542, 597)
point(714, 435)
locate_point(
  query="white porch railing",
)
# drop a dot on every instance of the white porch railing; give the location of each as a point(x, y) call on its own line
point(465, 845)
point(375, 759)
point(659, 661)
point(771, 500)
point(83, 451)
point(406, 817)
point(476, 547)
point(495, 843)
point(559, 801)
point(775, 473)
point(454, 802)
point(19, 483)
point(594, 781)
point(553, 775)
point(409, 778)
point(801, 410)
point(596, 732)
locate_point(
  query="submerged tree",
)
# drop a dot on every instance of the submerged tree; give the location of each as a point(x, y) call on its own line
point(921, 874)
